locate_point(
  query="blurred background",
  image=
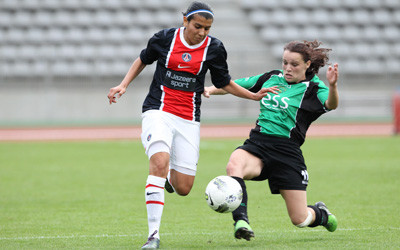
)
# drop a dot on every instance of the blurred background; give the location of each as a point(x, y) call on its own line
point(58, 59)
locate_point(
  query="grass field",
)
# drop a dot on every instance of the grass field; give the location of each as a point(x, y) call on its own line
point(91, 195)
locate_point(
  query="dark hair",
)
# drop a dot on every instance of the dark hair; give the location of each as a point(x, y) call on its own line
point(310, 51)
point(198, 6)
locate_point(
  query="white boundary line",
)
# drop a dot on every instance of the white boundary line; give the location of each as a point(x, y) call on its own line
point(188, 233)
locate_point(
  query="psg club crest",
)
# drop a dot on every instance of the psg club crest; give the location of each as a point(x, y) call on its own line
point(186, 57)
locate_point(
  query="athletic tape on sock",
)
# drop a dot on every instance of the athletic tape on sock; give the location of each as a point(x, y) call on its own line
point(156, 181)
point(307, 221)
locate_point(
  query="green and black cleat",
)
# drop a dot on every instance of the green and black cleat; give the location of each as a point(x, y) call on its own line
point(331, 223)
point(243, 230)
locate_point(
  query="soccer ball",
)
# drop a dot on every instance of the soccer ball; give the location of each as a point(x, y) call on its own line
point(224, 194)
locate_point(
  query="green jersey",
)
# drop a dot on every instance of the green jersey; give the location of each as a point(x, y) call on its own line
point(290, 113)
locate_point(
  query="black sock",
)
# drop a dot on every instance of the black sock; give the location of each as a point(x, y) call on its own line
point(241, 212)
point(321, 217)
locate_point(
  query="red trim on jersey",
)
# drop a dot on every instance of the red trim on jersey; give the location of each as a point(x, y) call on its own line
point(179, 103)
point(155, 202)
point(185, 58)
point(188, 59)
point(151, 185)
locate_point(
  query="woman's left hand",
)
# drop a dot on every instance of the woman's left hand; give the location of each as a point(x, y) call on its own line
point(332, 74)
point(207, 91)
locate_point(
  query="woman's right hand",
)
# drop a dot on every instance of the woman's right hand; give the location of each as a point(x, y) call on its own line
point(264, 92)
point(118, 90)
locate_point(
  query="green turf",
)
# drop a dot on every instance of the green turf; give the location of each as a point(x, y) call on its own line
point(91, 195)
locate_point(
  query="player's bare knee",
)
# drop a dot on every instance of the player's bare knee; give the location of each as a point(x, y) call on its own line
point(232, 168)
point(158, 170)
point(185, 193)
point(182, 190)
point(158, 165)
point(229, 168)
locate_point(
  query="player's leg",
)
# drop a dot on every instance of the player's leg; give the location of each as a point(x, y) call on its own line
point(154, 192)
point(156, 139)
point(296, 204)
point(243, 165)
point(302, 215)
point(184, 156)
point(182, 183)
point(181, 176)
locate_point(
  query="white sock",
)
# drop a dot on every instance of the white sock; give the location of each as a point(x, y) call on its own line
point(154, 194)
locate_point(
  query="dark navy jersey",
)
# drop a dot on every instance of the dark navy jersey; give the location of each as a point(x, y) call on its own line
point(178, 80)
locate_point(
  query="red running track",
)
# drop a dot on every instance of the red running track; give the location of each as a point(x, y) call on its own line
point(207, 131)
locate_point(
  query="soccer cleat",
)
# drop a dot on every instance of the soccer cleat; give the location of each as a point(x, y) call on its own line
point(243, 230)
point(168, 187)
point(152, 242)
point(331, 223)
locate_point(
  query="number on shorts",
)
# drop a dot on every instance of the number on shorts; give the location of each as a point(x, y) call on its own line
point(304, 173)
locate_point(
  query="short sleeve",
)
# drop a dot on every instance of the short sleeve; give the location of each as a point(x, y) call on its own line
point(323, 93)
point(255, 83)
point(316, 96)
point(218, 66)
point(248, 82)
point(152, 52)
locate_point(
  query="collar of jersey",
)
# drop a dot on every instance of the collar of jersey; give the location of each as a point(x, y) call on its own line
point(186, 44)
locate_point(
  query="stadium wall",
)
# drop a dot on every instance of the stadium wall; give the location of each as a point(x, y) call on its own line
point(51, 98)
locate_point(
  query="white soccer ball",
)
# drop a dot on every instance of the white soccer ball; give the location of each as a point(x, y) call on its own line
point(224, 194)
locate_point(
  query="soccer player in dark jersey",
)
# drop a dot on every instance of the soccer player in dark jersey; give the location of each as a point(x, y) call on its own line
point(273, 149)
point(171, 110)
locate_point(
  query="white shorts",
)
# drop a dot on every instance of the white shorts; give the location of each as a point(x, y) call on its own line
point(181, 137)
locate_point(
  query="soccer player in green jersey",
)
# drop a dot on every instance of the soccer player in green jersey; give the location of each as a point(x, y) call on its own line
point(272, 150)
